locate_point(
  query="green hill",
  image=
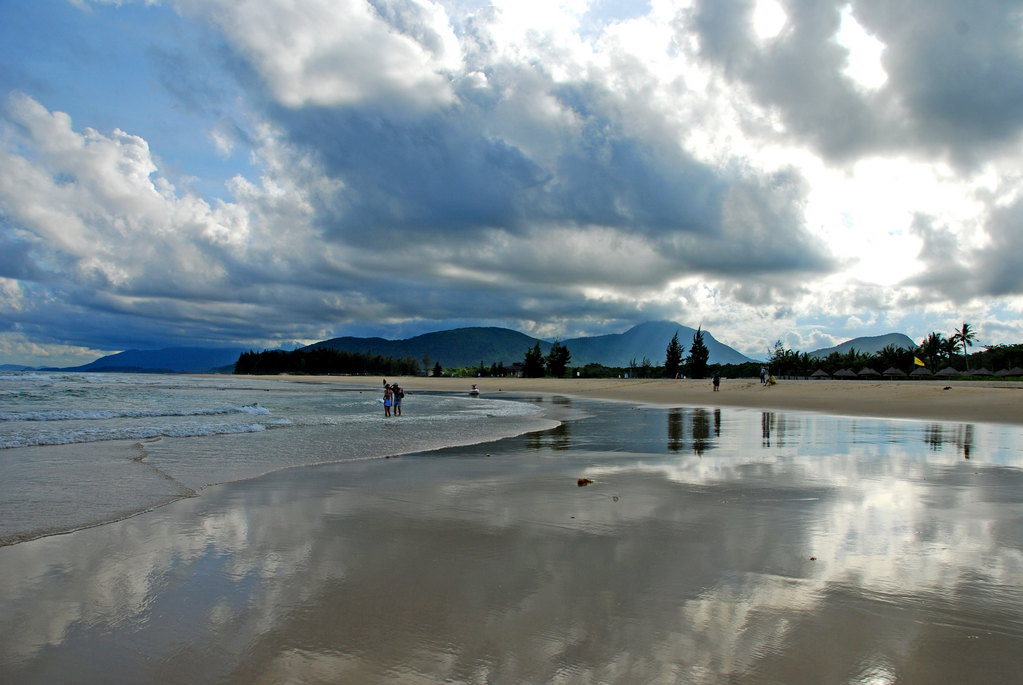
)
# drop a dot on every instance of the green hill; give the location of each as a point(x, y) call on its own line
point(470, 346)
point(453, 348)
point(646, 340)
point(167, 360)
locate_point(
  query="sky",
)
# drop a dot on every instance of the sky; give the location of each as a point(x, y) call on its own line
point(277, 172)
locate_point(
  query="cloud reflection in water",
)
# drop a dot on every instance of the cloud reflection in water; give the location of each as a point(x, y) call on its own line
point(713, 546)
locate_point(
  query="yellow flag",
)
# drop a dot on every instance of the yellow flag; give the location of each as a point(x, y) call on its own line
point(916, 360)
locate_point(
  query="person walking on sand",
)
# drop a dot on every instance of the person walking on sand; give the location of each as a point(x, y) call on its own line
point(717, 380)
point(388, 399)
point(399, 393)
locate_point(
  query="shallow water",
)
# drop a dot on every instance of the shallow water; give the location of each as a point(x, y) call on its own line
point(81, 449)
point(711, 546)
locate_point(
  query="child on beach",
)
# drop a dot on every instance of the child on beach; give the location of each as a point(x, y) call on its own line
point(388, 398)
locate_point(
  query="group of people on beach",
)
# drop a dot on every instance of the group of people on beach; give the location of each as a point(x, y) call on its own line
point(393, 394)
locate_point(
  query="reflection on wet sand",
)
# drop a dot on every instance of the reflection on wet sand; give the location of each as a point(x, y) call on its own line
point(691, 429)
point(960, 435)
point(774, 428)
point(851, 551)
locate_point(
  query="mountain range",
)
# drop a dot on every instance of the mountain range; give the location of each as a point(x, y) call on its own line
point(472, 346)
point(867, 345)
point(167, 360)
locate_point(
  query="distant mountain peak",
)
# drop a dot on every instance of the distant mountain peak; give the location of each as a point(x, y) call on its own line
point(870, 344)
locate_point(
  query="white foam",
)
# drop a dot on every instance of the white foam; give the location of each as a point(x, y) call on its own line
point(72, 436)
point(101, 414)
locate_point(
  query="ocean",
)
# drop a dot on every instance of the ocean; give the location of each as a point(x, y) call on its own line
point(79, 449)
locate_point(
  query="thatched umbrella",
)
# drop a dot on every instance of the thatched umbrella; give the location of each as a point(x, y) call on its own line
point(921, 371)
point(866, 371)
point(892, 371)
point(1002, 372)
point(1016, 371)
point(948, 372)
point(820, 373)
point(845, 373)
point(982, 371)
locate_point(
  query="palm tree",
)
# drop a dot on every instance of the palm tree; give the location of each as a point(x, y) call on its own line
point(965, 337)
point(948, 348)
point(932, 348)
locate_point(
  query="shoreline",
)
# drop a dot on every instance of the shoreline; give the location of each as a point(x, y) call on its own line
point(958, 401)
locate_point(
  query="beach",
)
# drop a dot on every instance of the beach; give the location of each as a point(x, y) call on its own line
point(970, 401)
point(659, 533)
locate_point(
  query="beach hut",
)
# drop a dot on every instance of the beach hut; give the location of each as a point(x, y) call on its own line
point(867, 371)
point(820, 373)
point(948, 372)
point(1016, 371)
point(845, 373)
point(1002, 372)
point(921, 371)
point(982, 371)
point(893, 372)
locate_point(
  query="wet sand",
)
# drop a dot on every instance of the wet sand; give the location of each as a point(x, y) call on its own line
point(712, 544)
point(972, 401)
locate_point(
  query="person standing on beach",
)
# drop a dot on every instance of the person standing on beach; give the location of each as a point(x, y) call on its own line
point(388, 398)
point(399, 393)
point(717, 380)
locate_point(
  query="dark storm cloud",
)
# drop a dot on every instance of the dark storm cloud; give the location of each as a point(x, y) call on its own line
point(955, 68)
point(613, 179)
point(945, 262)
point(798, 74)
point(999, 265)
point(445, 179)
point(955, 73)
point(961, 273)
point(16, 258)
point(402, 173)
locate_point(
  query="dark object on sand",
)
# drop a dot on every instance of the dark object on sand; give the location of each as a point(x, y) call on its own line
point(583, 482)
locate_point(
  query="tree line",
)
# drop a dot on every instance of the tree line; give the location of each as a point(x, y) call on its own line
point(323, 361)
point(555, 363)
point(936, 352)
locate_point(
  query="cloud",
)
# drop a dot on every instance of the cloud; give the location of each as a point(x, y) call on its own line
point(951, 86)
point(342, 52)
point(1001, 263)
point(401, 165)
point(953, 71)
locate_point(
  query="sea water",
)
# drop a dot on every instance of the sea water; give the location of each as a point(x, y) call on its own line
point(82, 449)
